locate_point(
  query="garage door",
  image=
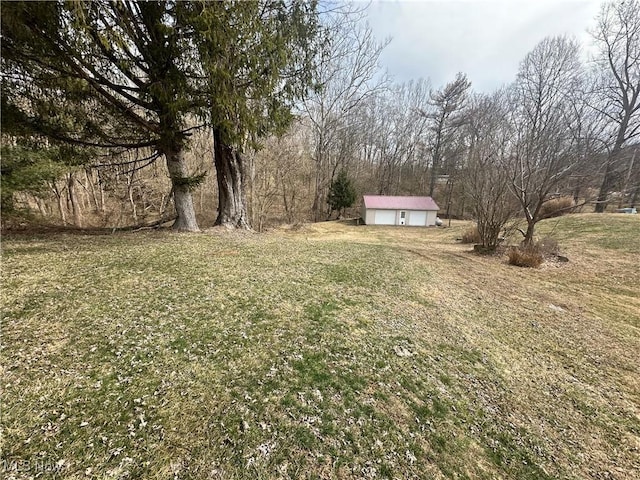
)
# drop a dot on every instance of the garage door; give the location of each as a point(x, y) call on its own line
point(418, 219)
point(385, 217)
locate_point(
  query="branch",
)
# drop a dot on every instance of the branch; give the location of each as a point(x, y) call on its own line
point(151, 157)
point(86, 143)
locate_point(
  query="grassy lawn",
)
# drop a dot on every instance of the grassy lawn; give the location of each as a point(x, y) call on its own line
point(334, 351)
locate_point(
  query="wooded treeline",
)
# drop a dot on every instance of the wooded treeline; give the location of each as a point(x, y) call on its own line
point(243, 114)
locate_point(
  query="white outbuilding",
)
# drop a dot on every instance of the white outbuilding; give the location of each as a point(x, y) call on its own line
point(390, 210)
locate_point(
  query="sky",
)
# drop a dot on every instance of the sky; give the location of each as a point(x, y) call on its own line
point(435, 39)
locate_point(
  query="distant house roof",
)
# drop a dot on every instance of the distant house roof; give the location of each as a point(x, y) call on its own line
point(385, 202)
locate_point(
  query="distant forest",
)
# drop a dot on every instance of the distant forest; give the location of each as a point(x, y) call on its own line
point(245, 113)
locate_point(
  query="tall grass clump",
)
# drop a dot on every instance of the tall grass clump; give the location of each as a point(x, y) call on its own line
point(471, 236)
point(530, 257)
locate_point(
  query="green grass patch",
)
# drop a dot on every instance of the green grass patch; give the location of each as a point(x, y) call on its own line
point(340, 352)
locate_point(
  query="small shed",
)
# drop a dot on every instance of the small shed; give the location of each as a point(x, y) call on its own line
point(390, 210)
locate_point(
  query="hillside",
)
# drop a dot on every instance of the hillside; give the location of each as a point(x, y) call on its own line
point(334, 351)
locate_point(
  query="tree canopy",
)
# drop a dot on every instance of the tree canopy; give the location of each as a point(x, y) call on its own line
point(132, 75)
point(617, 36)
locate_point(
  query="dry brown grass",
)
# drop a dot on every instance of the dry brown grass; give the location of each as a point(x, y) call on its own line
point(471, 236)
point(563, 336)
point(530, 257)
point(548, 246)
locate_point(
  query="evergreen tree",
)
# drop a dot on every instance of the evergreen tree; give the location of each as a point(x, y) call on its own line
point(342, 193)
point(265, 62)
point(139, 75)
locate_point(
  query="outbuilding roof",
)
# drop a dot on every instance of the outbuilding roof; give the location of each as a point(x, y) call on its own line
point(387, 202)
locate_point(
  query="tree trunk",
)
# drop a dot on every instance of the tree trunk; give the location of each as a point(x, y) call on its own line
point(285, 203)
point(576, 192)
point(60, 200)
point(232, 204)
point(634, 197)
point(73, 200)
point(449, 193)
point(605, 188)
point(101, 187)
point(319, 193)
point(89, 177)
point(315, 207)
point(625, 188)
point(134, 209)
point(435, 165)
point(182, 198)
point(610, 174)
point(528, 236)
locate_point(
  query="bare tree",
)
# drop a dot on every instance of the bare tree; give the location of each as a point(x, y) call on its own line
point(348, 73)
point(617, 35)
point(543, 118)
point(280, 177)
point(400, 129)
point(446, 117)
point(486, 177)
